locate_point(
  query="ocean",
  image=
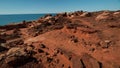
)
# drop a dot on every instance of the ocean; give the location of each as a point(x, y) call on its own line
point(16, 18)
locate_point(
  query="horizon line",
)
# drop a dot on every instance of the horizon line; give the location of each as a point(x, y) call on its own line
point(57, 12)
point(25, 13)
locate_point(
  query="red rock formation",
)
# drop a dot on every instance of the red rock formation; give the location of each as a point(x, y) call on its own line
point(67, 40)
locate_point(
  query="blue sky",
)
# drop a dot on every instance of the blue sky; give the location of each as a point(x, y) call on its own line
point(53, 6)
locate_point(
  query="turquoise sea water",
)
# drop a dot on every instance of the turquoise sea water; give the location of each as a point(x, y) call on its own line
point(16, 18)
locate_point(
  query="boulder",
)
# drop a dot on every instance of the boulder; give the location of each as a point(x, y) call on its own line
point(16, 51)
point(85, 14)
point(48, 16)
point(42, 46)
point(15, 42)
point(103, 16)
point(77, 63)
point(89, 62)
point(2, 48)
point(17, 56)
point(2, 56)
point(65, 14)
point(116, 13)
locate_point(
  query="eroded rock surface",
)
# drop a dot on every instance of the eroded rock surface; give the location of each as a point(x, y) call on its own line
point(67, 40)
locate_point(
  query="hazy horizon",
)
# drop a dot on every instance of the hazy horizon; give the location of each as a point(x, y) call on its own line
point(55, 6)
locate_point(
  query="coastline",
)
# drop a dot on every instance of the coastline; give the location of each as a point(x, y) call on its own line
point(71, 40)
point(16, 18)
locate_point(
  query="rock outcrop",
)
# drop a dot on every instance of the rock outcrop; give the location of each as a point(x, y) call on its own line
point(67, 40)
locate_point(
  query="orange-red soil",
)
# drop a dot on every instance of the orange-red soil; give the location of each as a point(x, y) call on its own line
point(67, 40)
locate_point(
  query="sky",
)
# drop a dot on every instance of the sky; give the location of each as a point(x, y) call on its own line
point(55, 6)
